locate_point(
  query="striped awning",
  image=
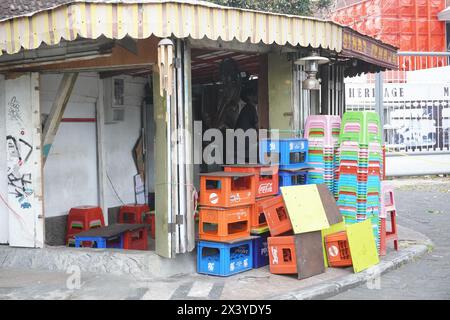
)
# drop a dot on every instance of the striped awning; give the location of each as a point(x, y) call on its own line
point(141, 19)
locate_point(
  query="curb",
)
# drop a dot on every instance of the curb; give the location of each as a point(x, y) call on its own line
point(389, 263)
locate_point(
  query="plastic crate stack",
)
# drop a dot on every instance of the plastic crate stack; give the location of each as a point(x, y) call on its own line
point(359, 172)
point(229, 214)
point(292, 157)
point(322, 133)
point(266, 189)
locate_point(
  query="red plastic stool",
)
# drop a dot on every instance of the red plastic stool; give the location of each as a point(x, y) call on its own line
point(82, 219)
point(136, 240)
point(133, 213)
point(149, 218)
point(388, 209)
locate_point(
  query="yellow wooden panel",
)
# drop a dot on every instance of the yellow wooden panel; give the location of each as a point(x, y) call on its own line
point(305, 209)
point(332, 229)
point(362, 246)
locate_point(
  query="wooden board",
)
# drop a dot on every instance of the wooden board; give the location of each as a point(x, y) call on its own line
point(362, 246)
point(305, 209)
point(332, 229)
point(329, 204)
point(112, 230)
point(309, 254)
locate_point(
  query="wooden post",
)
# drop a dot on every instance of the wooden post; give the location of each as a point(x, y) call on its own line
point(162, 205)
point(101, 167)
point(189, 144)
point(56, 113)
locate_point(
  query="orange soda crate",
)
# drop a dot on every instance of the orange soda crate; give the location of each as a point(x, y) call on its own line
point(227, 189)
point(224, 225)
point(276, 216)
point(338, 250)
point(282, 256)
point(258, 222)
point(266, 177)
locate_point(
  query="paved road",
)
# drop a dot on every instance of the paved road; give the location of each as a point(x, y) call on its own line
point(422, 208)
point(425, 209)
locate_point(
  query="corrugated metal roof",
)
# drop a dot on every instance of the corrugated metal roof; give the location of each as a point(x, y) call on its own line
point(141, 19)
point(14, 8)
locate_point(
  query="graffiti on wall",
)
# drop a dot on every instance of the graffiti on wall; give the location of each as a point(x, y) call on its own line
point(18, 154)
point(14, 112)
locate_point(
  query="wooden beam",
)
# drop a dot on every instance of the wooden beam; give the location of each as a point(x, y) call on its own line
point(57, 111)
point(119, 58)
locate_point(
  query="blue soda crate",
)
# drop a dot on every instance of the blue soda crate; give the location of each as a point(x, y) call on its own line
point(285, 148)
point(261, 251)
point(286, 178)
point(224, 259)
point(269, 147)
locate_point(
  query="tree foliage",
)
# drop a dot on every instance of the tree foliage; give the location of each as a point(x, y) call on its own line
point(295, 7)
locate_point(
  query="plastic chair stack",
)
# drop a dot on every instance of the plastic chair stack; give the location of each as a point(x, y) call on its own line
point(322, 133)
point(360, 160)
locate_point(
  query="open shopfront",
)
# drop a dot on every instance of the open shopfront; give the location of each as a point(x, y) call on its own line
point(90, 104)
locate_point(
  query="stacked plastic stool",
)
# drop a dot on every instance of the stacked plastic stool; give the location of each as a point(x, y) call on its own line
point(388, 210)
point(323, 133)
point(225, 246)
point(359, 172)
point(137, 214)
point(81, 219)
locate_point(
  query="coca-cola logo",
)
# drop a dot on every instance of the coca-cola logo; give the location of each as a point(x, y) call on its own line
point(265, 187)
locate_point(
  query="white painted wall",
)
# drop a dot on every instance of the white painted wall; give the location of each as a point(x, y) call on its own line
point(71, 168)
point(3, 184)
point(120, 139)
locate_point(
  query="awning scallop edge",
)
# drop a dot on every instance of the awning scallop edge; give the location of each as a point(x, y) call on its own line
point(163, 19)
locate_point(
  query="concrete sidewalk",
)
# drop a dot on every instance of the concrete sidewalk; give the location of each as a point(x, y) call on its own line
point(22, 277)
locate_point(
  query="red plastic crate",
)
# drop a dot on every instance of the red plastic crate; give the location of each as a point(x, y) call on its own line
point(282, 256)
point(227, 189)
point(276, 216)
point(258, 220)
point(266, 178)
point(224, 225)
point(338, 250)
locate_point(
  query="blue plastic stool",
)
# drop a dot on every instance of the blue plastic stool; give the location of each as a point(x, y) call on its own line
point(102, 242)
